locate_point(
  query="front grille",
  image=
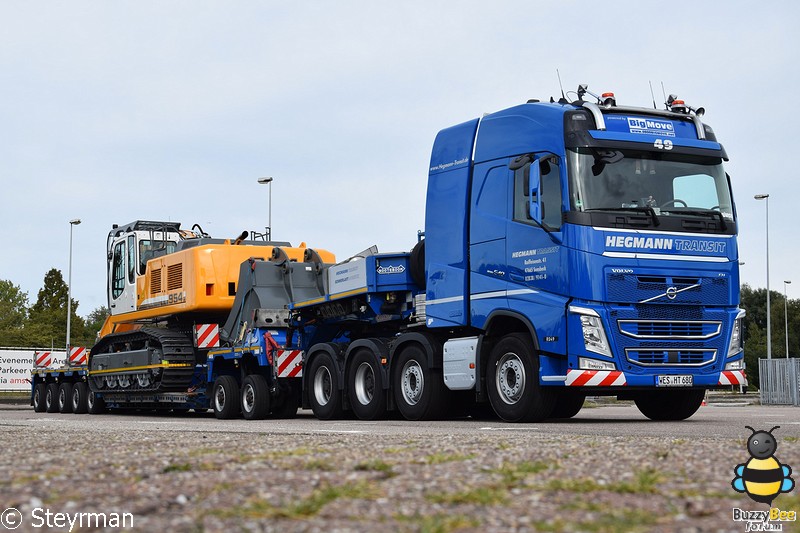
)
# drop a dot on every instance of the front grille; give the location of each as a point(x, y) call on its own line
point(174, 276)
point(659, 290)
point(670, 357)
point(155, 281)
point(668, 329)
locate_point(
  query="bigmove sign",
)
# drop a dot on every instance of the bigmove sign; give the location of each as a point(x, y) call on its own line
point(16, 365)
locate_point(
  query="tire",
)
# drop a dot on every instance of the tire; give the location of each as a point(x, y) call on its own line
point(65, 398)
point(365, 387)
point(39, 393)
point(416, 264)
point(255, 397)
point(670, 405)
point(51, 398)
point(568, 404)
point(419, 391)
point(512, 379)
point(324, 393)
point(288, 401)
point(225, 398)
point(80, 394)
point(95, 404)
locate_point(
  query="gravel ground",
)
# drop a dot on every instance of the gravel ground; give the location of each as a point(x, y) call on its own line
point(192, 481)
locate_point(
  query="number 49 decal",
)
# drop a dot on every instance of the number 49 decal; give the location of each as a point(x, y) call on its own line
point(666, 144)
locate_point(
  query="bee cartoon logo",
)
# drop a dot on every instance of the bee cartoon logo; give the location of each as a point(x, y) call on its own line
point(763, 477)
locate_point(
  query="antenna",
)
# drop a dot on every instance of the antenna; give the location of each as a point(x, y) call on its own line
point(653, 95)
point(665, 101)
point(563, 96)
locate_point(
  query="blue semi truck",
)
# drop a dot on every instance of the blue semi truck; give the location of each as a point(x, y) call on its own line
point(571, 248)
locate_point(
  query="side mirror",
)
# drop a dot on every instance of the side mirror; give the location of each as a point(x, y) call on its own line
point(534, 180)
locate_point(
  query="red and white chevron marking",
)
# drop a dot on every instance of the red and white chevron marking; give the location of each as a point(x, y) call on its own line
point(595, 378)
point(290, 363)
point(42, 359)
point(78, 355)
point(206, 336)
point(732, 377)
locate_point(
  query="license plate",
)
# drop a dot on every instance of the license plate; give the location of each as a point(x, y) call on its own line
point(674, 381)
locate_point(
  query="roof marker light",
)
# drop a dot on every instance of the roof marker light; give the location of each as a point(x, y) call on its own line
point(609, 100)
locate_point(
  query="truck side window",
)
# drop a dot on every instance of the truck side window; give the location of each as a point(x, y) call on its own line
point(521, 177)
point(118, 270)
point(131, 259)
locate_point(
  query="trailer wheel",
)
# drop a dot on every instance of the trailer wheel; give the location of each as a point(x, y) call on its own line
point(568, 404)
point(255, 397)
point(39, 392)
point(419, 390)
point(95, 404)
point(365, 387)
point(325, 395)
point(51, 398)
point(65, 398)
point(80, 392)
point(513, 381)
point(670, 405)
point(225, 398)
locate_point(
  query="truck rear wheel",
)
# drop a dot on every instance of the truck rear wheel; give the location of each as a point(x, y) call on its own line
point(225, 398)
point(419, 391)
point(65, 398)
point(39, 392)
point(51, 398)
point(255, 397)
point(670, 404)
point(288, 400)
point(95, 404)
point(325, 395)
point(513, 381)
point(365, 387)
point(80, 392)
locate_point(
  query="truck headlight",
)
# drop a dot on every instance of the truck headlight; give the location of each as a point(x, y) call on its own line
point(735, 365)
point(594, 334)
point(736, 344)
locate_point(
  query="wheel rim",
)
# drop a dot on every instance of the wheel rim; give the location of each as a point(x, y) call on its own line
point(249, 398)
point(510, 378)
point(48, 398)
point(219, 399)
point(413, 382)
point(37, 397)
point(323, 385)
point(75, 399)
point(365, 383)
point(62, 398)
point(90, 400)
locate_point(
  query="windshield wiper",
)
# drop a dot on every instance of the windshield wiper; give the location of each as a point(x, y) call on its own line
point(713, 213)
point(647, 210)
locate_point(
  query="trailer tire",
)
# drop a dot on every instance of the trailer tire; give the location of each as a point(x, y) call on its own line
point(39, 393)
point(419, 390)
point(670, 405)
point(95, 404)
point(65, 398)
point(365, 386)
point(513, 381)
point(255, 397)
point(51, 398)
point(324, 394)
point(568, 404)
point(80, 393)
point(225, 398)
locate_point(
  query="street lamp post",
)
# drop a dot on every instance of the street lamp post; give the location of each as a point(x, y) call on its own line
point(72, 224)
point(786, 315)
point(268, 181)
point(769, 321)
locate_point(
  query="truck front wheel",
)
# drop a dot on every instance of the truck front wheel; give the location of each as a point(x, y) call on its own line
point(513, 382)
point(39, 392)
point(365, 387)
point(325, 395)
point(670, 404)
point(419, 391)
point(225, 398)
point(255, 397)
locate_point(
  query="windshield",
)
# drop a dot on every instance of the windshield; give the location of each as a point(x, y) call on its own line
point(670, 184)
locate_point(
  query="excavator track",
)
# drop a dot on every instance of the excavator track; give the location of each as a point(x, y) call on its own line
point(151, 360)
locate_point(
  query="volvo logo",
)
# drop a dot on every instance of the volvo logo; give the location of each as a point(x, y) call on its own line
point(672, 292)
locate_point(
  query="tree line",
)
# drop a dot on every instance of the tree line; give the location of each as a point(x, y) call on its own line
point(44, 323)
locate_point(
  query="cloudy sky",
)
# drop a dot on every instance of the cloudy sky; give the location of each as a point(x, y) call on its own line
point(117, 111)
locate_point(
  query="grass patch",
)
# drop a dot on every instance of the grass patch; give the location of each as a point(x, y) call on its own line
point(490, 495)
point(376, 465)
point(644, 482)
point(177, 467)
point(513, 473)
point(439, 523)
point(318, 464)
point(629, 520)
point(439, 458)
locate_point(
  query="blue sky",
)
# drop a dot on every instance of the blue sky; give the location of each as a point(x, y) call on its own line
point(117, 111)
